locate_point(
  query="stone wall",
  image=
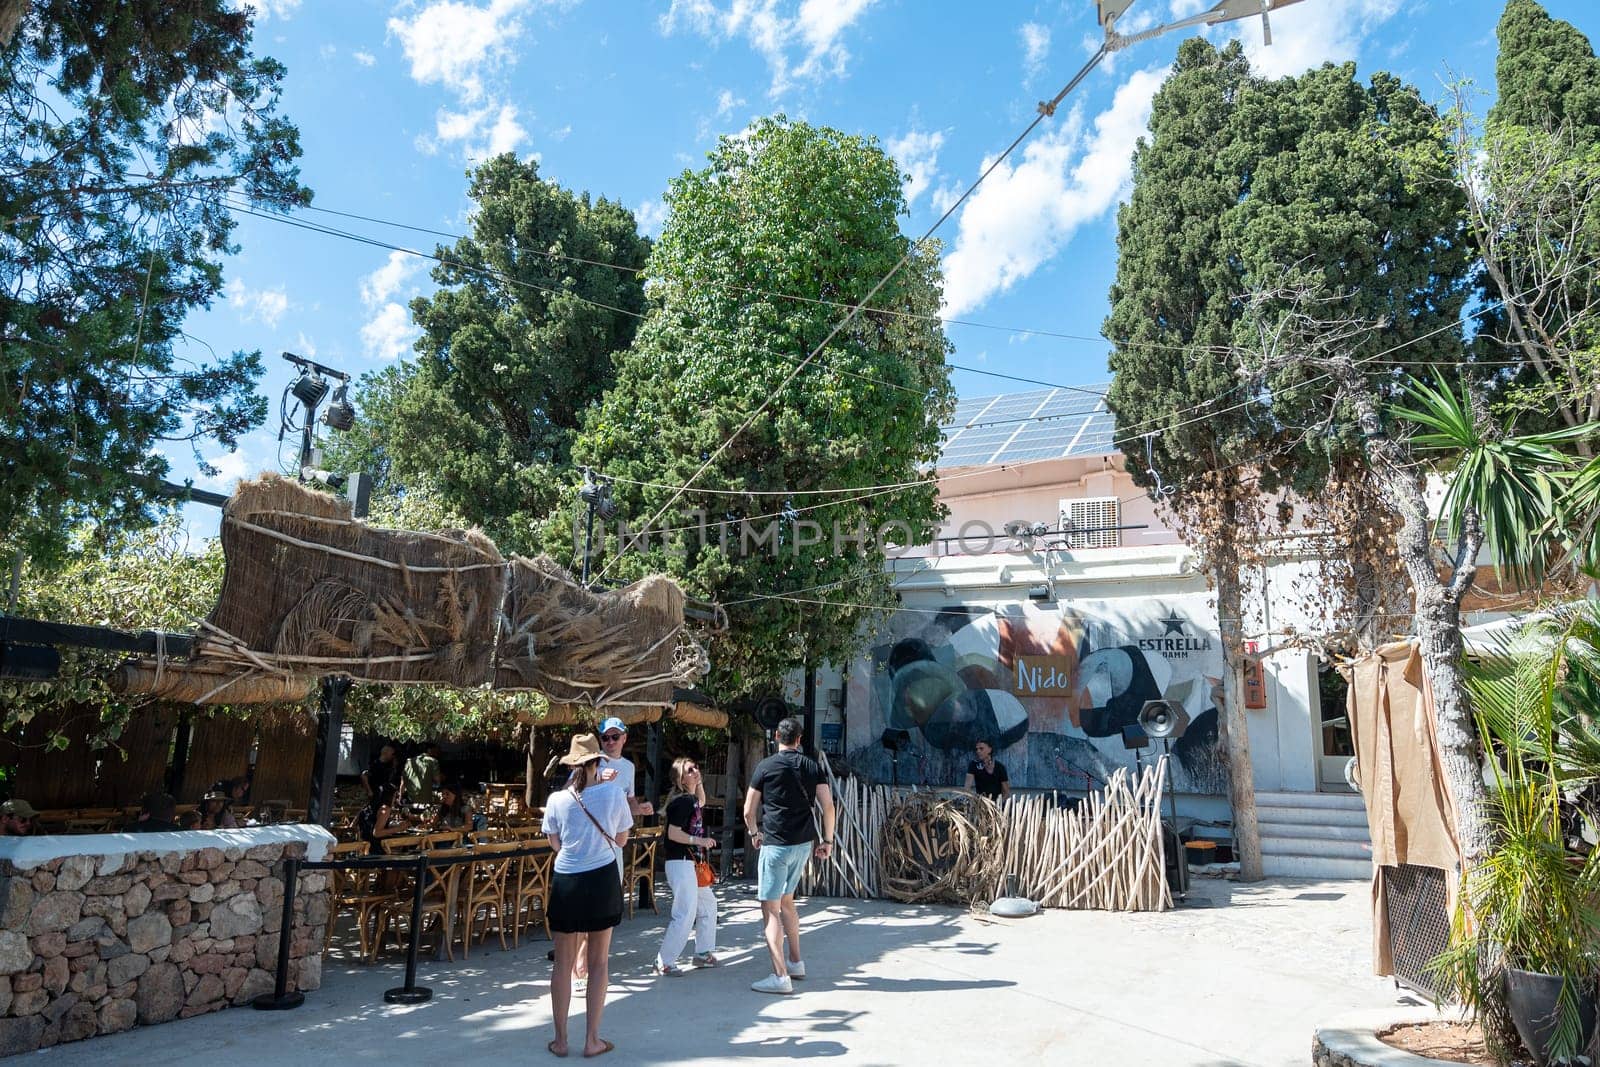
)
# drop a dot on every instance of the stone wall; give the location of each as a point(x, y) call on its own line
point(122, 935)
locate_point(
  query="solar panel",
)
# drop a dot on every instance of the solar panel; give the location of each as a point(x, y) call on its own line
point(1023, 427)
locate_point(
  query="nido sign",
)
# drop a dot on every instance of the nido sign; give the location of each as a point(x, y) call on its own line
point(1043, 676)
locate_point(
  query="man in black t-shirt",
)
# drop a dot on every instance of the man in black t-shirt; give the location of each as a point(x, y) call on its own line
point(782, 790)
point(986, 775)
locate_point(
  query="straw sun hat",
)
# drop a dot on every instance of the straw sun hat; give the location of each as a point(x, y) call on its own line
point(585, 747)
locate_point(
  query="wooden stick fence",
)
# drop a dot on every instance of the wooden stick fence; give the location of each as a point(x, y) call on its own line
point(953, 847)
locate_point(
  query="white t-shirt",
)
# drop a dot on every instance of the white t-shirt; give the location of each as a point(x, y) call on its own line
point(582, 846)
point(624, 768)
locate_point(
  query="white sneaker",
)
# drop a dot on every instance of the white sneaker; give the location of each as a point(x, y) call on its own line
point(797, 968)
point(773, 983)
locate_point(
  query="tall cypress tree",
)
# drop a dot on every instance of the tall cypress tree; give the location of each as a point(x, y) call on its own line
point(1547, 73)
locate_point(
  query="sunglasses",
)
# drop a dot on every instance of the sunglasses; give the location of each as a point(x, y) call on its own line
point(612, 737)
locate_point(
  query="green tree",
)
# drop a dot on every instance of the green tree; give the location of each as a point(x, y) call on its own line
point(1246, 183)
point(1546, 72)
point(516, 344)
point(1531, 178)
point(128, 131)
point(795, 209)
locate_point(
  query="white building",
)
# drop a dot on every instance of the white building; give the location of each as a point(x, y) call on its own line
point(1052, 605)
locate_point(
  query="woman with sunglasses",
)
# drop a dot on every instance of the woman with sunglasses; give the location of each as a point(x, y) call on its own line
point(693, 905)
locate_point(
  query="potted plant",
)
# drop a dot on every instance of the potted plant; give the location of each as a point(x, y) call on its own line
point(1525, 937)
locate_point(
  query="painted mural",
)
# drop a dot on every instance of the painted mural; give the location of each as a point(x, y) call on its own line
point(1050, 686)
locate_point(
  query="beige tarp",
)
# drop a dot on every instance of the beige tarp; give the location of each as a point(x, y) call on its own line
point(1409, 810)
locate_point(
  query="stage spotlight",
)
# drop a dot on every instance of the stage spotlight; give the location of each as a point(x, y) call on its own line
point(340, 414)
point(309, 389)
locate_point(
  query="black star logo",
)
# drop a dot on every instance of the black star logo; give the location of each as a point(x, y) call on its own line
point(1173, 624)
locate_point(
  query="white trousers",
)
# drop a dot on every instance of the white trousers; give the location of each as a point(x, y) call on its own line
point(692, 905)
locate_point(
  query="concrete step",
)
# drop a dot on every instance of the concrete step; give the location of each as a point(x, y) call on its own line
point(1320, 831)
point(1318, 847)
point(1321, 867)
point(1351, 801)
point(1286, 816)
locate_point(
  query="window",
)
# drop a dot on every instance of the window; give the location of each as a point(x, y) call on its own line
point(1092, 523)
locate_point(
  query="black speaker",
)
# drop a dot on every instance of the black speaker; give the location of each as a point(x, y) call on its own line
point(1134, 736)
point(770, 711)
point(895, 740)
point(1163, 719)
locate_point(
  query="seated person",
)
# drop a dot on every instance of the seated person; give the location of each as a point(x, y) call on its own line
point(455, 810)
point(189, 820)
point(16, 818)
point(214, 813)
point(158, 814)
point(379, 819)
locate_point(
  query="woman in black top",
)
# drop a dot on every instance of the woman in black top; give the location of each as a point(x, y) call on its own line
point(986, 775)
point(693, 905)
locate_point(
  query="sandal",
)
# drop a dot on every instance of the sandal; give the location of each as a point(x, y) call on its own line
point(551, 1047)
point(705, 959)
point(671, 969)
point(605, 1047)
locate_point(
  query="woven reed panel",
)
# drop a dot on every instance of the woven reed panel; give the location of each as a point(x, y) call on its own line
point(285, 757)
point(218, 748)
point(147, 741)
point(61, 778)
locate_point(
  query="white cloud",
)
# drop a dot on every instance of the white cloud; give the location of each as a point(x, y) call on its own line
point(389, 334)
point(262, 10)
point(726, 102)
point(366, 59)
point(1035, 47)
point(562, 134)
point(232, 468)
point(918, 155)
point(305, 346)
point(480, 132)
point(651, 216)
point(265, 306)
point(1308, 35)
point(455, 44)
point(805, 45)
point(1027, 211)
point(396, 274)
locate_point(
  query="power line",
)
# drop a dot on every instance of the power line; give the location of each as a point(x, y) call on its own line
point(856, 310)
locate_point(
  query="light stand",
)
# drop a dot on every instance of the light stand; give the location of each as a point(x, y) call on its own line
point(596, 494)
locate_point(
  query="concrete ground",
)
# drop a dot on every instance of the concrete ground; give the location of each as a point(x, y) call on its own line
point(1242, 976)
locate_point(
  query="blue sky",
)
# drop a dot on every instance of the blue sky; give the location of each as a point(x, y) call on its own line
point(396, 100)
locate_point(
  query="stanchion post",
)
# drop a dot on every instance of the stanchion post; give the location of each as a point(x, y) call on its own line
point(411, 993)
point(280, 999)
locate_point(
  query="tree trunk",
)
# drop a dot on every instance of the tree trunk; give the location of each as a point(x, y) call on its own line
point(12, 13)
point(1233, 727)
point(1438, 616)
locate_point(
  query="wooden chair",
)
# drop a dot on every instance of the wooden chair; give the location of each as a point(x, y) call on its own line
point(532, 893)
point(93, 825)
point(350, 891)
point(484, 889)
point(440, 891)
point(492, 836)
point(402, 844)
point(641, 865)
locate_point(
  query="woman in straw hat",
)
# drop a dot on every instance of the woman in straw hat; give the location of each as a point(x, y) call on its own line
point(588, 824)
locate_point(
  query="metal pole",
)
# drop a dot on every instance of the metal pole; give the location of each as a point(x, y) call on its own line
point(588, 546)
point(330, 731)
point(280, 999)
point(411, 993)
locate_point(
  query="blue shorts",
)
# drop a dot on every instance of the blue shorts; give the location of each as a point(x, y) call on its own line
point(780, 868)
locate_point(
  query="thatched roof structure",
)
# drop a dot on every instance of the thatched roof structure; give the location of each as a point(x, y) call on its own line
point(310, 590)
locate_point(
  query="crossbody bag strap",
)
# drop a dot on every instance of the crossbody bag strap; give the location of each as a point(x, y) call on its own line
point(609, 839)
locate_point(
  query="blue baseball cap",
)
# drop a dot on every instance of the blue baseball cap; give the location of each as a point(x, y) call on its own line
point(613, 723)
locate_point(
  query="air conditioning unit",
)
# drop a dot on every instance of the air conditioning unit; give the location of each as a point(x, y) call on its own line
point(1092, 522)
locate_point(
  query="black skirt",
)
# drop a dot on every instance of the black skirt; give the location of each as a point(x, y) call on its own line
point(587, 901)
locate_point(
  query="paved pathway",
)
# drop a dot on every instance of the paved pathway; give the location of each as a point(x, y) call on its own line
point(1242, 978)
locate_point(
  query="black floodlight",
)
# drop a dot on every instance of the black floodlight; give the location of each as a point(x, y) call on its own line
point(309, 389)
point(340, 414)
point(895, 740)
